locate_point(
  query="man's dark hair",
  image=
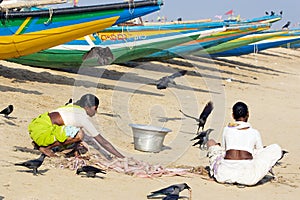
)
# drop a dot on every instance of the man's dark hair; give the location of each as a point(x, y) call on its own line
point(239, 110)
point(88, 100)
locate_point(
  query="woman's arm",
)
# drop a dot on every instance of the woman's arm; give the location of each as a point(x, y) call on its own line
point(108, 146)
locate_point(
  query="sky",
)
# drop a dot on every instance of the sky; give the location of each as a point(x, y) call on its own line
point(199, 9)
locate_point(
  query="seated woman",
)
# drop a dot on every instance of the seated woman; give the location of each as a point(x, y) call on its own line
point(245, 161)
point(65, 125)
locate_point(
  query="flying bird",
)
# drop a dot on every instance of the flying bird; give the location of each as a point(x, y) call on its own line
point(164, 82)
point(104, 56)
point(90, 171)
point(202, 138)
point(6, 111)
point(286, 26)
point(272, 13)
point(203, 116)
point(281, 12)
point(33, 164)
point(267, 13)
point(171, 191)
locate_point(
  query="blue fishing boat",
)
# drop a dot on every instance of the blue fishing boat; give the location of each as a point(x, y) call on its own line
point(275, 41)
point(27, 32)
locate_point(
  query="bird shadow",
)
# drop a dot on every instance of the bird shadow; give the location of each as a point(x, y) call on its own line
point(161, 197)
point(27, 150)
point(110, 115)
point(9, 117)
point(9, 122)
point(166, 119)
point(96, 176)
point(40, 172)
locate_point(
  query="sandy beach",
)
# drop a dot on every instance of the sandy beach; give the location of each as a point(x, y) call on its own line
point(269, 82)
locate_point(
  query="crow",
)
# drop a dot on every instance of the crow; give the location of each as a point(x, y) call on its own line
point(33, 164)
point(170, 191)
point(286, 26)
point(70, 101)
point(203, 116)
point(202, 138)
point(163, 83)
point(283, 152)
point(104, 55)
point(90, 171)
point(6, 111)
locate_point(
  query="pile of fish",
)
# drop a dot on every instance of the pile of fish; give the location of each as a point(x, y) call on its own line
point(129, 166)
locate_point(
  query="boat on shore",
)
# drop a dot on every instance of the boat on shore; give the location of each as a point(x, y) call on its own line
point(238, 42)
point(26, 32)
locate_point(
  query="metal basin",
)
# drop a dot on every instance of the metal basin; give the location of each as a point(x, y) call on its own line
point(148, 138)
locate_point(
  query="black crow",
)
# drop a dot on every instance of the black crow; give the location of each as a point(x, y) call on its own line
point(6, 111)
point(70, 101)
point(286, 26)
point(202, 138)
point(33, 164)
point(283, 152)
point(169, 191)
point(163, 83)
point(90, 171)
point(203, 116)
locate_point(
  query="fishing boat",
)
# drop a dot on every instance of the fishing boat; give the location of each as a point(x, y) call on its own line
point(26, 32)
point(276, 41)
point(295, 44)
point(207, 42)
point(124, 47)
point(252, 43)
point(235, 29)
point(130, 41)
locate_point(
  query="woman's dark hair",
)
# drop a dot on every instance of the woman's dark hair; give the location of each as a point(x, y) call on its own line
point(88, 100)
point(239, 110)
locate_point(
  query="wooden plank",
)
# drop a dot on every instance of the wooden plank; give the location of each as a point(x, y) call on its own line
point(5, 5)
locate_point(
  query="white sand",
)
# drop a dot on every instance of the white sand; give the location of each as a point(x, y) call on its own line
point(269, 82)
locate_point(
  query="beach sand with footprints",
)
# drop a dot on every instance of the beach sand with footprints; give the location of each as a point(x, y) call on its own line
point(269, 82)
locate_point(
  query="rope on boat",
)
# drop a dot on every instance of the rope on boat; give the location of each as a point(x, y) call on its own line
point(50, 17)
point(131, 6)
point(126, 42)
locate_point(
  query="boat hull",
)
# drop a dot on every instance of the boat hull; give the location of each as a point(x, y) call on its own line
point(23, 33)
